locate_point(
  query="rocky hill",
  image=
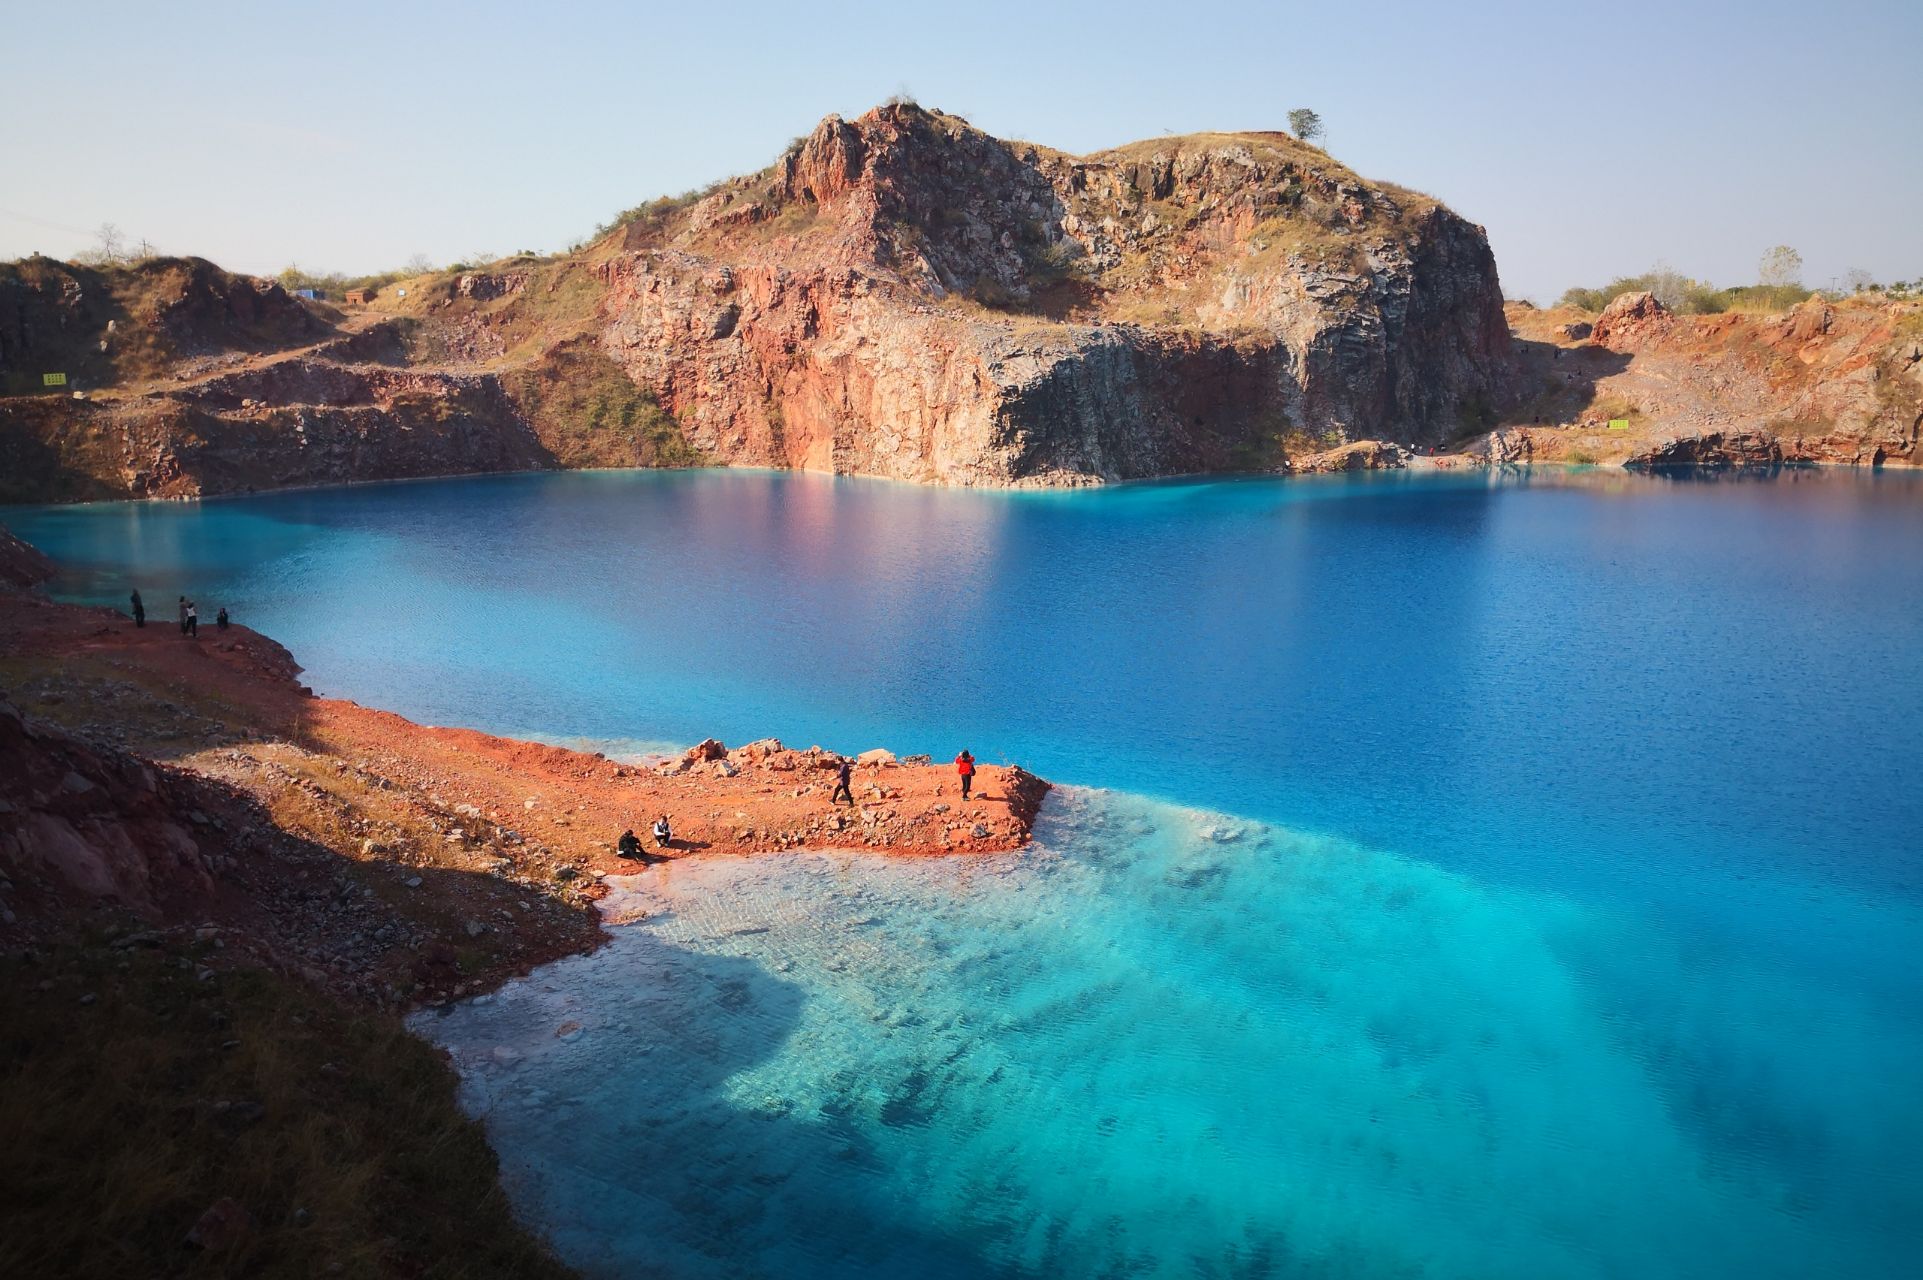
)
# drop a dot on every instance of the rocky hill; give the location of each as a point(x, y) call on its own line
point(1834, 382)
point(900, 295)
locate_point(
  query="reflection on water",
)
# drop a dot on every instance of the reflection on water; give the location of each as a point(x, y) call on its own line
point(1602, 960)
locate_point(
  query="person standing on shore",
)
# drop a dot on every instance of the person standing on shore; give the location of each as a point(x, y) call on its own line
point(965, 766)
point(220, 619)
point(140, 611)
point(183, 615)
point(193, 620)
point(842, 777)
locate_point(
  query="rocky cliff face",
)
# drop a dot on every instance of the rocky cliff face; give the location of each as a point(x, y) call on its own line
point(21, 565)
point(94, 819)
point(1832, 382)
point(904, 295)
point(899, 295)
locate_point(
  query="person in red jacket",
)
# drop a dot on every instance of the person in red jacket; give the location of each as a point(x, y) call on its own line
point(965, 766)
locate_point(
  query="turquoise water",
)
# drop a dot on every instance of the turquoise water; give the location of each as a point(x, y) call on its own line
point(1462, 876)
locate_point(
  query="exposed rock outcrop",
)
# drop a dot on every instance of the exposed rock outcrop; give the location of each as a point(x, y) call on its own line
point(1631, 319)
point(1832, 382)
point(107, 326)
point(97, 821)
point(899, 295)
point(1363, 455)
point(952, 308)
point(21, 564)
point(1715, 449)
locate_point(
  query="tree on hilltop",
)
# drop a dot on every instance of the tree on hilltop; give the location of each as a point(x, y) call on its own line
point(110, 248)
point(1305, 124)
point(1781, 268)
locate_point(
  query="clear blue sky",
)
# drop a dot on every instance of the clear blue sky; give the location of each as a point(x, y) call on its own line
point(1591, 139)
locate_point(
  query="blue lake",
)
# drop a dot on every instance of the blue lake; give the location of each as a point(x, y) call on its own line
point(1461, 875)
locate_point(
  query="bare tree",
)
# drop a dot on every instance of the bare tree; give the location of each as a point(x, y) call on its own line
point(1781, 268)
point(109, 249)
point(1305, 124)
point(1859, 280)
point(1670, 286)
point(418, 265)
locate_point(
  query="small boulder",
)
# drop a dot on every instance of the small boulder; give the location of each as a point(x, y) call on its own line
point(1630, 318)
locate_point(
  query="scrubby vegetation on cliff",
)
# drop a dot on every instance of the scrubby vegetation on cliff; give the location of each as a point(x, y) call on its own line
point(1779, 287)
point(1686, 296)
point(117, 325)
point(138, 1098)
point(590, 414)
point(899, 295)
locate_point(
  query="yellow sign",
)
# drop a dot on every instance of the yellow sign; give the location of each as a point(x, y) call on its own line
point(53, 379)
point(1619, 424)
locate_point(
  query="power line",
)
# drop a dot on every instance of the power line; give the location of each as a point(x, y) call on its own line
point(43, 222)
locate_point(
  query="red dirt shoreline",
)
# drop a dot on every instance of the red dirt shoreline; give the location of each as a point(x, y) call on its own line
point(463, 857)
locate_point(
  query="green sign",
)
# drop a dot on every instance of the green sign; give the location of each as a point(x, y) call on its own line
point(1619, 424)
point(53, 379)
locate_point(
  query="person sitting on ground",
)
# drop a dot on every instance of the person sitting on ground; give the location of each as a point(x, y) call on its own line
point(663, 834)
point(842, 777)
point(220, 618)
point(965, 766)
point(629, 845)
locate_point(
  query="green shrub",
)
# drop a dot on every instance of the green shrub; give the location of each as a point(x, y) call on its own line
point(1684, 295)
point(1678, 292)
point(589, 413)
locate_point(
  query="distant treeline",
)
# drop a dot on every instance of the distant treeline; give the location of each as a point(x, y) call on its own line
point(1781, 287)
point(1690, 297)
point(333, 284)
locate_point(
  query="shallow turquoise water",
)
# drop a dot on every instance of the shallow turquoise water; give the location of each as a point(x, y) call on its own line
point(1569, 921)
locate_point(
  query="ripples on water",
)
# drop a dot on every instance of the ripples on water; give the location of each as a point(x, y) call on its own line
point(1173, 1043)
point(1606, 962)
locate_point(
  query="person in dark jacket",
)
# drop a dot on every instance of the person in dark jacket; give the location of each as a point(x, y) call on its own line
point(965, 766)
point(183, 615)
point(220, 619)
point(140, 611)
point(842, 777)
point(630, 845)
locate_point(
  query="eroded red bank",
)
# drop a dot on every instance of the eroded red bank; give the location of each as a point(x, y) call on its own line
point(196, 781)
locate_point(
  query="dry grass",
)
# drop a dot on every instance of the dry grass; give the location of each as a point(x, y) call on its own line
point(75, 339)
point(357, 1162)
point(1263, 146)
point(1614, 408)
point(797, 219)
point(589, 413)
